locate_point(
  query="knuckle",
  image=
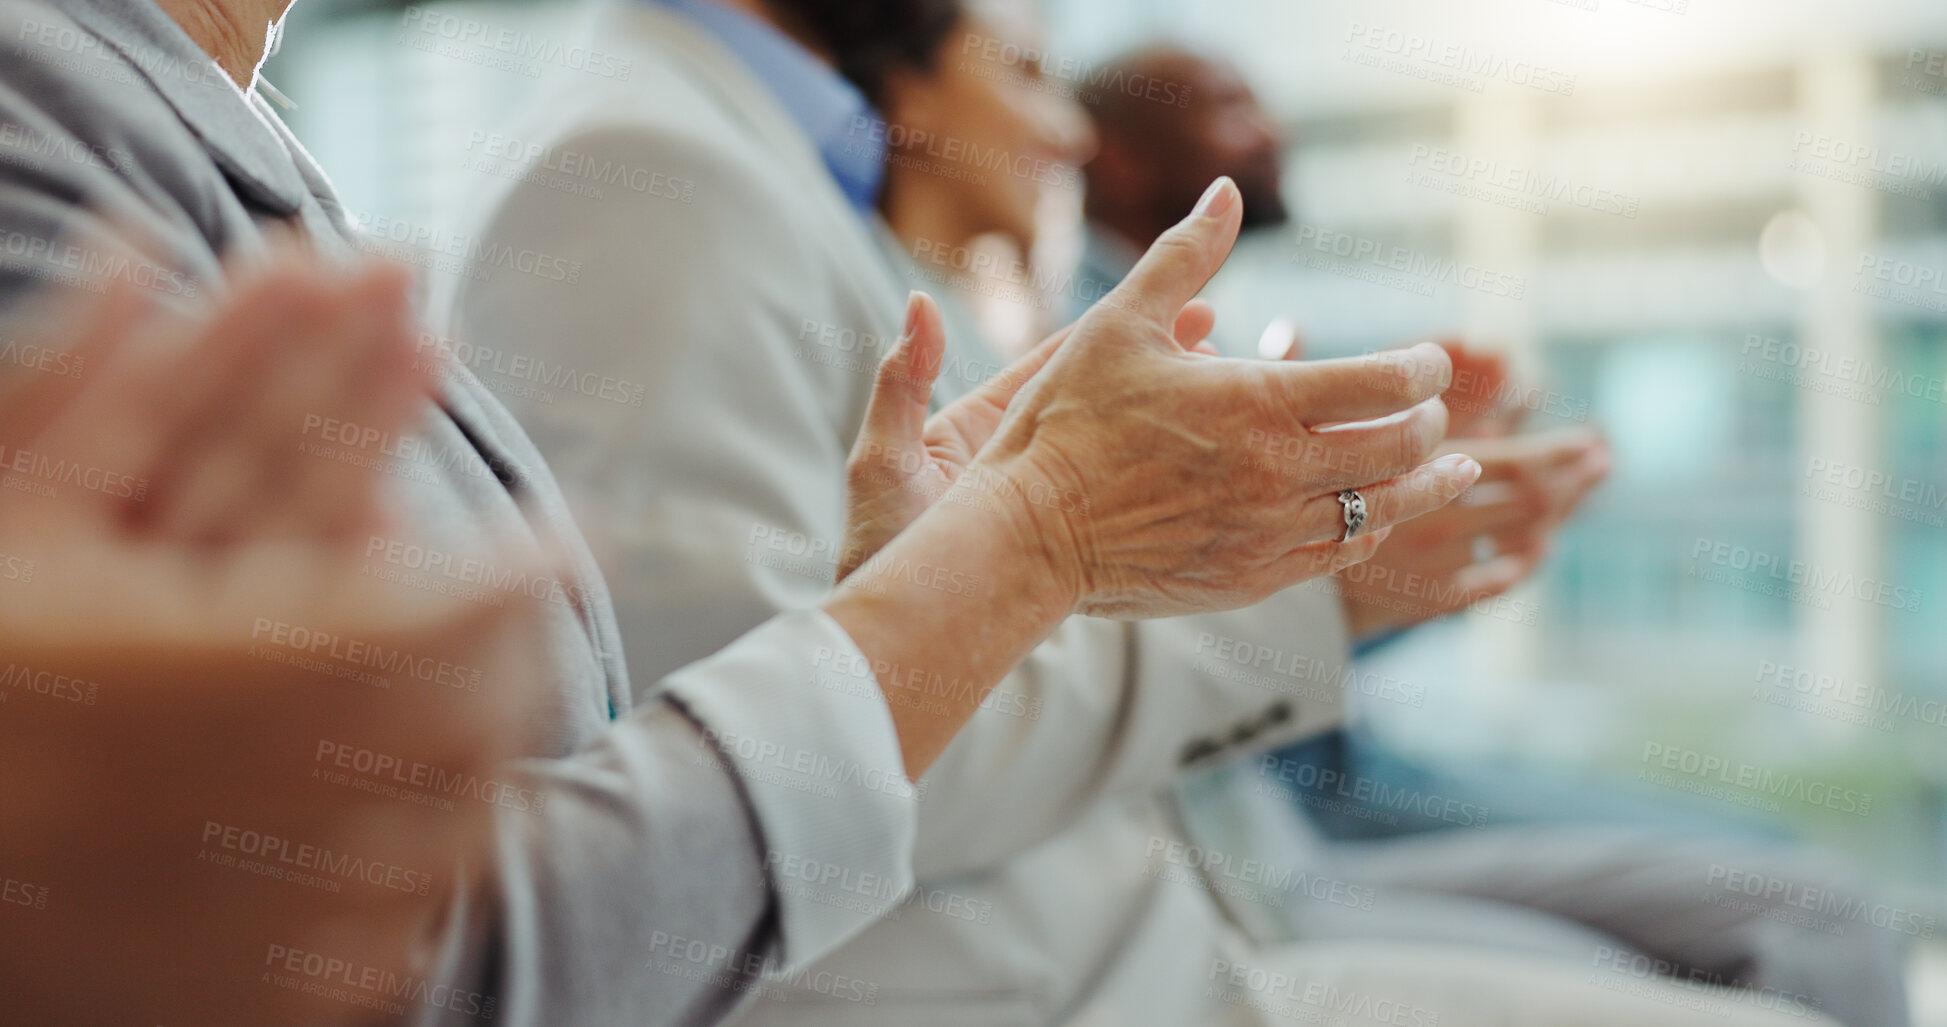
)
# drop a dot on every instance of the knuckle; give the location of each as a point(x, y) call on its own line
point(1340, 555)
point(1396, 378)
point(1173, 255)
point(1327, 524)
point(1259, 482)
point(1382, 507)
point(897, 378)
point(1112, 319)
point(1438, 420)
point(1426, 429)
point(1421, 493)
point(1179, 243)
point(1409, 443)
point(1437, 365)
point(889, 367)
point(1258, 543)
point(1317, 561)
point(862, 470)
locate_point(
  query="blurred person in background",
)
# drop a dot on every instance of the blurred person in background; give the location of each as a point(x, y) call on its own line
point(1222, 127)
point(647, 866)
point(973, 144)
point(1072, 901)
point(1495, 538)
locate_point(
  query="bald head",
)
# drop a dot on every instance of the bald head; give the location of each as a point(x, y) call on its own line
point(1171, 120)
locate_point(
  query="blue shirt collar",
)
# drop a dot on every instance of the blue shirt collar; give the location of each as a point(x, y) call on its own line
point(842, 125)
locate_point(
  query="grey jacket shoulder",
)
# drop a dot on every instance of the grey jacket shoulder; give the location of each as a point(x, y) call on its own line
point(90, 151)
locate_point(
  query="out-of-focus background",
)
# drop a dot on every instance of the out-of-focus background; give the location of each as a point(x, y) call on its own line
point(1716, 228)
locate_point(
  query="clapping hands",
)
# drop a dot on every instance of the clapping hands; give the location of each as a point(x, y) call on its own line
point(176, 660)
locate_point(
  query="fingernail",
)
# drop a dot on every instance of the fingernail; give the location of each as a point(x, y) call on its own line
point(1217, 198)
point(912, 315)
point(1468, 469)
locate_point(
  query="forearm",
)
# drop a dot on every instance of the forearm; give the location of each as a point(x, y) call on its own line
point(947, 609)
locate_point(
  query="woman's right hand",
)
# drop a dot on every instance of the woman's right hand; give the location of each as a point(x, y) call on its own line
point(1160, 482)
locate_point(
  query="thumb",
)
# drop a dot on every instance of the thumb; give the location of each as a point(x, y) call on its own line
point(1182, 260)
point(902, 391)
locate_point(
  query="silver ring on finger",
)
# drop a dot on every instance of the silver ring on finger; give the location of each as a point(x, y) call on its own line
point(1355, 512)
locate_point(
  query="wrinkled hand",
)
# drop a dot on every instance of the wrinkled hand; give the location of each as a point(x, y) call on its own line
point(1483, 545)
point(904, 461)
point(1156, 482)
point(188, 645)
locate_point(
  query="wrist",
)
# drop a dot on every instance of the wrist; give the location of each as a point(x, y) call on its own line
point(960, 597)
point(1036, 524)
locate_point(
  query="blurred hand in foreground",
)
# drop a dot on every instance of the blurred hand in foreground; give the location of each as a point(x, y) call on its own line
point(227, 751)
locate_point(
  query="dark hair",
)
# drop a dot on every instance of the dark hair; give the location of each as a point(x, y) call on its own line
point(872, 39)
